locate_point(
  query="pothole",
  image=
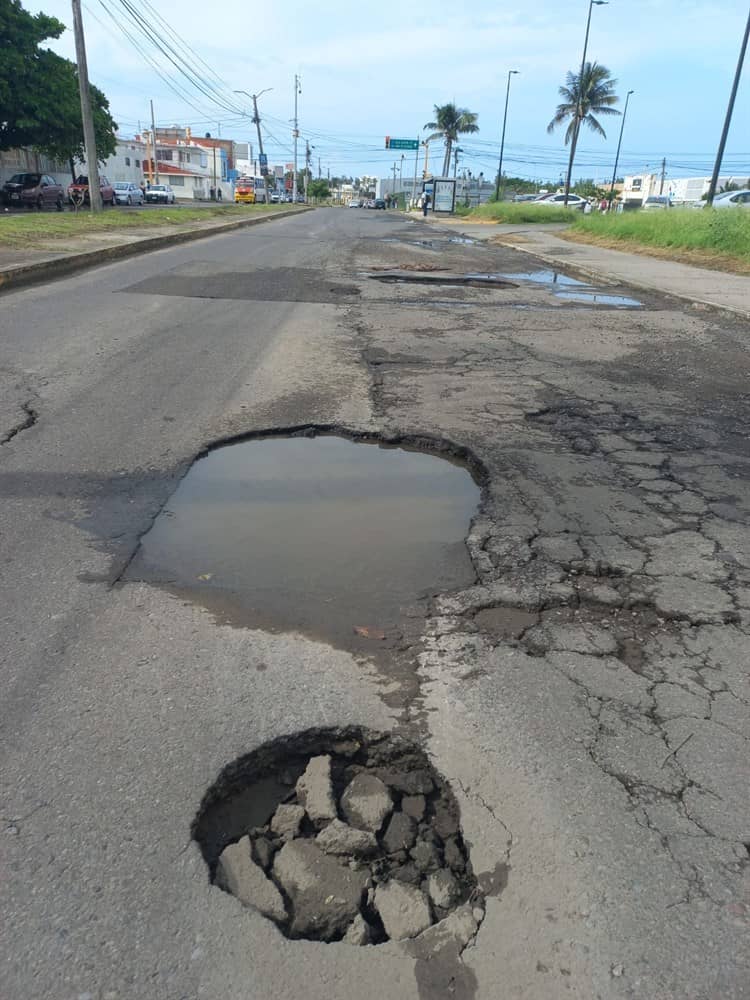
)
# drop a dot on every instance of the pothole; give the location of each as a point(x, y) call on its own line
point(545, 277)
point(472, 280)
point(339, 539)
point(339, 834)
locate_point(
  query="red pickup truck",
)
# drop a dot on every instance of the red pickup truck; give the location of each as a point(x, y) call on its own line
point(78, 191)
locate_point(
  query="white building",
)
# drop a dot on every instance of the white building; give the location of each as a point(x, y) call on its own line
point(682, 190)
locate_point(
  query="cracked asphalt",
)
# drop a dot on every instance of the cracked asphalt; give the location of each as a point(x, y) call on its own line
point(587, 698)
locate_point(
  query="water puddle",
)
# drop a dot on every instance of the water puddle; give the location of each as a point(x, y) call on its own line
point(465, 240)
point(544, 277)
point(320, 535)
point(598, 299)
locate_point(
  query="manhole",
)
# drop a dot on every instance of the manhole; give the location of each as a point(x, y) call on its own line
point(337, 835)
point(320, 534)
point(597, 299)
point(472, 280)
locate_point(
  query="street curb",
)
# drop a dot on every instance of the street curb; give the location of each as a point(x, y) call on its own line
point(618, 279)
point(48, 270)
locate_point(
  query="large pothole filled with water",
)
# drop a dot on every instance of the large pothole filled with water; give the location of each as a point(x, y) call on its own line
point(339, 539)
point(337, 835)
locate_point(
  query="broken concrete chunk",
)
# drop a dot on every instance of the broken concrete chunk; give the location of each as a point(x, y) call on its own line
point(404, 910)
point(325, 895)
point(407, 873)
point(416, 782)
point(446, 821)
point(359, 933)
point(414, 806)
point(263, 852)
point(454, 856)
point(442, 889)
point(425, 856)
point(400, 833)
point(287, 820)
point(366, 802)
point(315, 791)
point(340, 838)
point(236, 872)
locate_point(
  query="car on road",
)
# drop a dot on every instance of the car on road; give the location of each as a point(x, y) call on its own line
point(656, 203)
point(275, 198)
point(78, 191)
point(525, 197)
point(127, 193)
point(33, 191)
point(160, 193)
point(558, 201)
point(732, 199)
point(379, 203)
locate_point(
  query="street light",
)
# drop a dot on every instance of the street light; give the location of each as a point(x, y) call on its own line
point(619, 143)
point(574, 137)
point(256, 120)
point(511, 72)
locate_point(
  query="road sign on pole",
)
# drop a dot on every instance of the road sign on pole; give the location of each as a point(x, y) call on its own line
point(401, 143)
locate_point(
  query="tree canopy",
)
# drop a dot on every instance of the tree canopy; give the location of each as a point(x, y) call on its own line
point(449, 123)
point(39, 99)
point(597, 97)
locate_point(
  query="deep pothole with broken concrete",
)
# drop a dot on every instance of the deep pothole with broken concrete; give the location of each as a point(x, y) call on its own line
point(340, 835)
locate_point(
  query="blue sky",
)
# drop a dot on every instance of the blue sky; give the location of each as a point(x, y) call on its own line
point(365, 75)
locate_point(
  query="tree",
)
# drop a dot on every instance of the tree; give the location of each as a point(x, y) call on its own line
point(584, 97)
point(319, 189)
point(39, 100)
point(450, 122)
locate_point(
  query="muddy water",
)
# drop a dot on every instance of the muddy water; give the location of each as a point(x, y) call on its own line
point(322, 535)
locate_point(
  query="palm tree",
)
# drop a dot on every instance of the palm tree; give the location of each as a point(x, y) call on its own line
point(450, 122)
point(591, 93)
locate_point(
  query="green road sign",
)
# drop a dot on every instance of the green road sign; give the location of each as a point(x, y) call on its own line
point(401, 143)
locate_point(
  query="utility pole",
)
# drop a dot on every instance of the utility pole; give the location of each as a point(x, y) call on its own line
point(577, 121)
point(426, 145)
point(393, 190)
point(295, 133)
point(89, 137)
point(663, 175)
point(416, 168)
point(456, 151)
point(308, 157)
point(153, 146)
point(263, 169)
point(401, 174)
point(318, 168)
point(728, 118)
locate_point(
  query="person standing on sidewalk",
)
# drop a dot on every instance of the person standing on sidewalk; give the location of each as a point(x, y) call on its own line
point(425, 203)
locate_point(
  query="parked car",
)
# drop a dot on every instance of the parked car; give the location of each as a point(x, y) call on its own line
point(79, 190)
point(525, 197)
point(127, 193)
point(354, 203)
point(33, 191)
point(275, 198)
point(300, 199)
point(656, 203)
point(558, 200)
point(379, 203)
point(160, 193)
point(732, 199)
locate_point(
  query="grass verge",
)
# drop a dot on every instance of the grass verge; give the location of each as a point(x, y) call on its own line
point(509, 211)
point(713, 238)
point(43, 228)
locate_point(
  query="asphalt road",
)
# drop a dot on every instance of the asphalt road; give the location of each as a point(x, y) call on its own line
point(587, 699)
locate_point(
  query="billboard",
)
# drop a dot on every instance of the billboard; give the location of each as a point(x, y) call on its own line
point(444, 195)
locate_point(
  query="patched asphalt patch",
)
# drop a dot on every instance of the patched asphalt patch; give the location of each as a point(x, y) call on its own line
point(279, 284)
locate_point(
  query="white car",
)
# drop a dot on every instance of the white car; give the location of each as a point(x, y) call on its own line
point(732, 199)
point(127, 193)
point(656, 203)
point(558, 200)
point(160, 192)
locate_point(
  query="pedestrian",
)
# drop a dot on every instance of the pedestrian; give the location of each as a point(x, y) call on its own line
point(426, 203)
point(603, 205)
point(587, 207)
point(143, 189)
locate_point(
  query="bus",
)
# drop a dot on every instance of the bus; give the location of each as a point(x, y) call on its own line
point(249, 190)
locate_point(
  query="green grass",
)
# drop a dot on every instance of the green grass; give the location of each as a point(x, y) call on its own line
point(36, 228)
point(714, 233)
point(510, 211)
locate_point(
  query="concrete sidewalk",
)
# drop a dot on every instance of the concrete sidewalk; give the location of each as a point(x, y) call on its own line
point(694, 284)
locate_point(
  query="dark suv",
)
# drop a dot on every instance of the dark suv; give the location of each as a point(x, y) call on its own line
point(33, 191)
